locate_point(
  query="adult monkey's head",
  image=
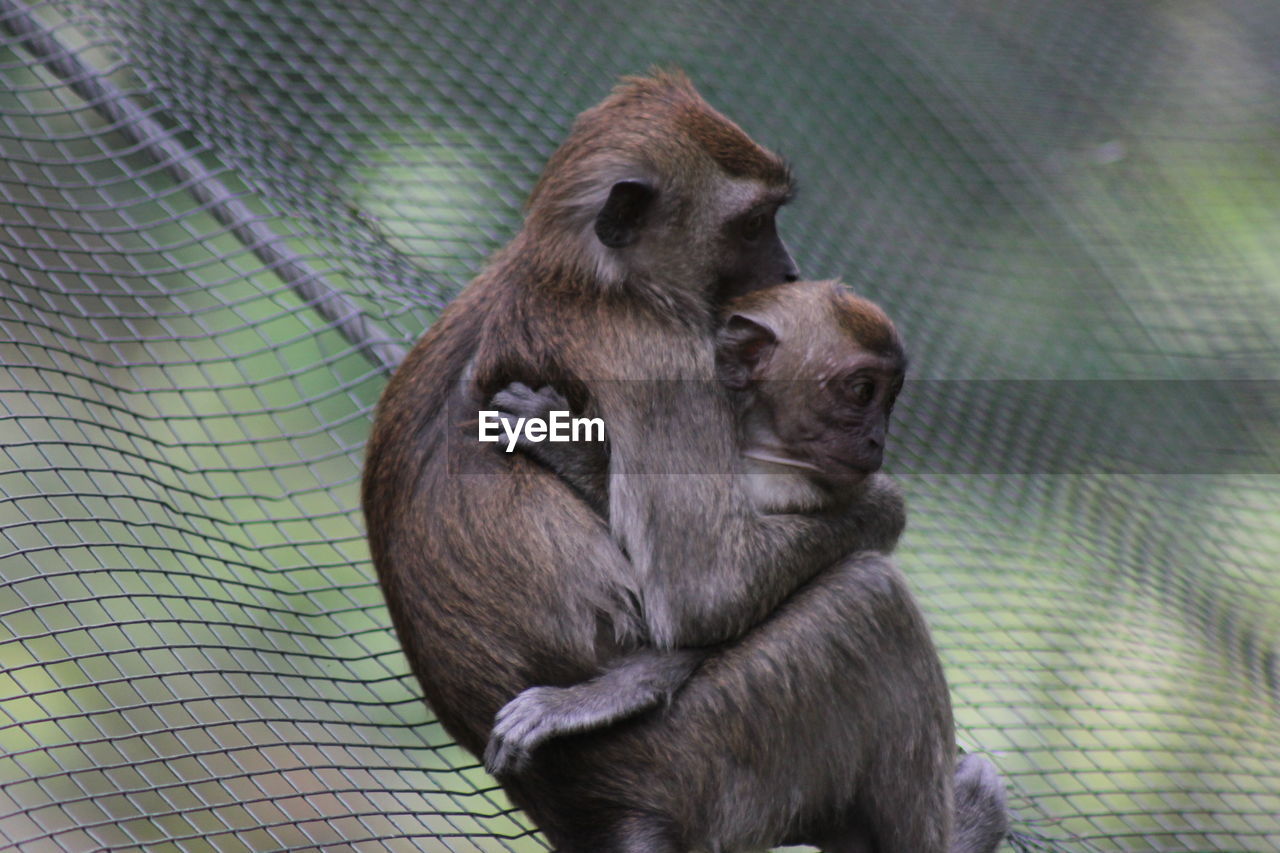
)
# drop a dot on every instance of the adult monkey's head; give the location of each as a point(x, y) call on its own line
point(655, 191)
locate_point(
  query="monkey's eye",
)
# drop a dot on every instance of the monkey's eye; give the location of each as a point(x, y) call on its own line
point(861, 391)
point(753, 226)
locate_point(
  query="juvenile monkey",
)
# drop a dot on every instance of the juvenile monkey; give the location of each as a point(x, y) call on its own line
point(812, 373)
point(654, 212)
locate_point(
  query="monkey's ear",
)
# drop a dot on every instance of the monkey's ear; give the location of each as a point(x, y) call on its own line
point(742, 346)
point(619, 221)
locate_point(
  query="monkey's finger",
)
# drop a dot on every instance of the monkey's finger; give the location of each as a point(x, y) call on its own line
point(502, 756)
point(511, 401)
point(552, 396)
point(506, 399)
point(495, 761)
point(515, 391)
point(496, 754)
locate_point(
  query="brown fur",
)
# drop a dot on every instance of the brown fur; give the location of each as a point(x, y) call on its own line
point(866, 322)
point(827, 308)
point(640, 116)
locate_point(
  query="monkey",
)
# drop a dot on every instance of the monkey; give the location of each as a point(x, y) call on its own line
point(811, 410)
point(655, 211)
point(813, 373)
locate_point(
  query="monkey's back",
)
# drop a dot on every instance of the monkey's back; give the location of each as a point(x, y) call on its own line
point(492, 569)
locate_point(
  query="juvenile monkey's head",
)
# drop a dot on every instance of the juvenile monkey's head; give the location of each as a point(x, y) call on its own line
point(654, 190)
point(815, 372)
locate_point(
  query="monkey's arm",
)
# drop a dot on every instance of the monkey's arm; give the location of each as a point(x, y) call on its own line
point(584, 465)
point(710, 566)
point(877, 515)
point(876, 510)
point(643, 679)
point(633, 683)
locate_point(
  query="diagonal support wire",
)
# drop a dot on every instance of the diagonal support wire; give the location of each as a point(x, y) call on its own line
point(184, 166)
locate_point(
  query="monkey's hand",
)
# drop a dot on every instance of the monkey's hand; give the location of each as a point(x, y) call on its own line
point(523, 723)
point(518, 400)
point(583, 465)
point(633, 683)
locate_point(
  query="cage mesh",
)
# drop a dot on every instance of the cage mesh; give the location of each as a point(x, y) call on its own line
point(221, 222)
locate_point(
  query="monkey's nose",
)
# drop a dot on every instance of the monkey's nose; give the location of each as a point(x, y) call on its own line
point(873, 455)
point(790, 272)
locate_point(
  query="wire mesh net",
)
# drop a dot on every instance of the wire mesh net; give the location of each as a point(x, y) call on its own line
point(221, 221)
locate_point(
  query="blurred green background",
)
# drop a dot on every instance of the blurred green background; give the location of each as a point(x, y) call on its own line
point(1071, 209)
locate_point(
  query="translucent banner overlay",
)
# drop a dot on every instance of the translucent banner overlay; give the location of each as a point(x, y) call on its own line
point(973, 426)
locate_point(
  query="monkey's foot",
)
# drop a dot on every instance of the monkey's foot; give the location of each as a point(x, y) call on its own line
point(982, 814)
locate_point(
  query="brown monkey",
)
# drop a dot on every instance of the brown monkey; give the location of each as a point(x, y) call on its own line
point(813, 373)
point(653, 213)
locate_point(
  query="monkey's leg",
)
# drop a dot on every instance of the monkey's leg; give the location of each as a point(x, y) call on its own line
point(830, 717)
point(981, 818)
point(579, 828)
point(640, 834)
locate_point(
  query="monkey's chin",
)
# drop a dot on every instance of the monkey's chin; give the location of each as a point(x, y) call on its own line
point(844, 479)
point(849, 483)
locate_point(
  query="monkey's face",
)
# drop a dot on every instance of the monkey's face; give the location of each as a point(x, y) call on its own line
point(750, 254)
point(839, 424)
point(814, 372)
